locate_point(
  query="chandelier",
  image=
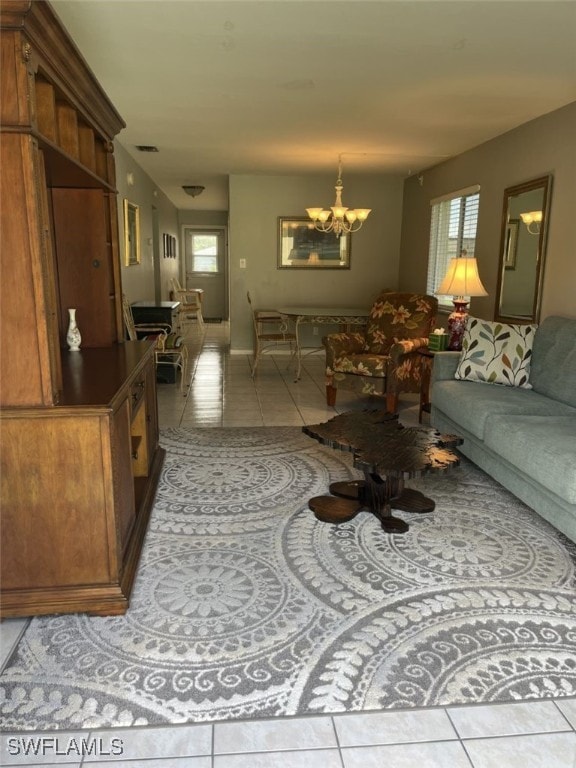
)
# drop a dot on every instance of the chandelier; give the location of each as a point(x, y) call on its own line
point(339, 218)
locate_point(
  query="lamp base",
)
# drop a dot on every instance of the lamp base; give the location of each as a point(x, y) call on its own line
point(457, 324)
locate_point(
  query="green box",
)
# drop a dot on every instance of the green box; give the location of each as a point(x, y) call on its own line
point(437, 342)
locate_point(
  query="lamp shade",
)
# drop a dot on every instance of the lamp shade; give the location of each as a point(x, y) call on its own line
point(462, 279)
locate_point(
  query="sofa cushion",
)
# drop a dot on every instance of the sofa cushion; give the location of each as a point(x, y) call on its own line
point(471, 404)
point(496, 353)
point(543, 447)
point(553, 370)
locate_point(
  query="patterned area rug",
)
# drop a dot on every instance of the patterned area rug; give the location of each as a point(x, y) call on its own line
point(246, 606)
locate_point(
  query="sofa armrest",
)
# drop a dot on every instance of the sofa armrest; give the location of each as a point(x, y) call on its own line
point(445, 364)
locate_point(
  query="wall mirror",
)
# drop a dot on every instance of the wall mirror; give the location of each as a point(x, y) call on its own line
point(522, 251)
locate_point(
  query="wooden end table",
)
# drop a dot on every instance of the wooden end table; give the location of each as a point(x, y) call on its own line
point(388, 454)
point(426, 375)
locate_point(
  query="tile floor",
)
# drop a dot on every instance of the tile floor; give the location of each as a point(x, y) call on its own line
point(538, 734)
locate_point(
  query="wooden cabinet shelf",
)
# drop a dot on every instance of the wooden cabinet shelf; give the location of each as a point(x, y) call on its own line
point(80, 451)
point(76, 149)
point(62, 170)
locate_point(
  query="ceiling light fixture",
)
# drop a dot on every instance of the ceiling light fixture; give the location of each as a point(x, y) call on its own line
point(193, 190)
point(532, 217)
point(339, 218)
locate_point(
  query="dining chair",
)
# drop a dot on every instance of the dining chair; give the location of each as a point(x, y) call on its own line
point(190, 310)
point(169, 347)
point(271, 331)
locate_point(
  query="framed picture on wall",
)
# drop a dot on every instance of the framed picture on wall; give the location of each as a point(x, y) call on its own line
point(131, 233)
point(301, 246)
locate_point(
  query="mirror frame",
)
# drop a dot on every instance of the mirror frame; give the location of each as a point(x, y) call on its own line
point(544, 183)
point(131, 234)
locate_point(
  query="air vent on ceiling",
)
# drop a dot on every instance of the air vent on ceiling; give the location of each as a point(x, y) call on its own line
point(146, 148)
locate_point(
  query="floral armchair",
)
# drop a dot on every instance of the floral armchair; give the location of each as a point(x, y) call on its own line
point(382, 360)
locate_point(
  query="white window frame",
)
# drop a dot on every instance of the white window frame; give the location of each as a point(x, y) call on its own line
point(192, 232)
point(453, 223)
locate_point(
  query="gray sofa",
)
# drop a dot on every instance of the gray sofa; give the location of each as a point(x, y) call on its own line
point(524, 438)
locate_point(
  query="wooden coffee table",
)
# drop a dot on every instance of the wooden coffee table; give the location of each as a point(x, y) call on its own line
point(388, 454)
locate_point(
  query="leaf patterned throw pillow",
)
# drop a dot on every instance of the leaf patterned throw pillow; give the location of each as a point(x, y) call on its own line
point(496, 353)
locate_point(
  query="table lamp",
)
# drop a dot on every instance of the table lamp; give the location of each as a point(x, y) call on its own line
point(461, 280)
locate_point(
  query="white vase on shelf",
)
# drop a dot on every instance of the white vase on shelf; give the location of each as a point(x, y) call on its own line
point(73, 337)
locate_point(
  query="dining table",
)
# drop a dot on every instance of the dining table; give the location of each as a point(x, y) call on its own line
point(344, 317)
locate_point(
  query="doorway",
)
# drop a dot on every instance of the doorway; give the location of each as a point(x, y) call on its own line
point(206, 267)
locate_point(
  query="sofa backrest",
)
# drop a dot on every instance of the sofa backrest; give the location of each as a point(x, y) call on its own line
point(553, 366)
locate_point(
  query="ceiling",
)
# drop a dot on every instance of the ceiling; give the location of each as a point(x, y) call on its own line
point(286, 86)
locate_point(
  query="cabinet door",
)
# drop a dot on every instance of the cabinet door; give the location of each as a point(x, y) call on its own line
point(52, 308)
point(85, 272)
point(57, 516)
point(30, 359)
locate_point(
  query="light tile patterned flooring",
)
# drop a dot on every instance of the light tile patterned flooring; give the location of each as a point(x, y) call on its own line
point(539, 734)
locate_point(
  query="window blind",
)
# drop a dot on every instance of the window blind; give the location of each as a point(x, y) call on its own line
point(452, 232)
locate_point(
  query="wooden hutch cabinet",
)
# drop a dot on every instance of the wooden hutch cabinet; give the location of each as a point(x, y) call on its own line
point(80, 458)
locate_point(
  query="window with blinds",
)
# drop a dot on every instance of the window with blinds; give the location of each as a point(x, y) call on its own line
point(452, 233)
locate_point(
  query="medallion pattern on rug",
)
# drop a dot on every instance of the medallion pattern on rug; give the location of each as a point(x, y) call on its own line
point(246, 606)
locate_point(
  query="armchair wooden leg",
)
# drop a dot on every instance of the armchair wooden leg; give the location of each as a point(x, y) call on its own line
point(331, 395)
point(392, 403)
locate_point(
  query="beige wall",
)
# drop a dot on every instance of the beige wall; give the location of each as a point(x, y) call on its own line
point(543, 146)
point(203, 218)
point(138, 280)
point(256, 202)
